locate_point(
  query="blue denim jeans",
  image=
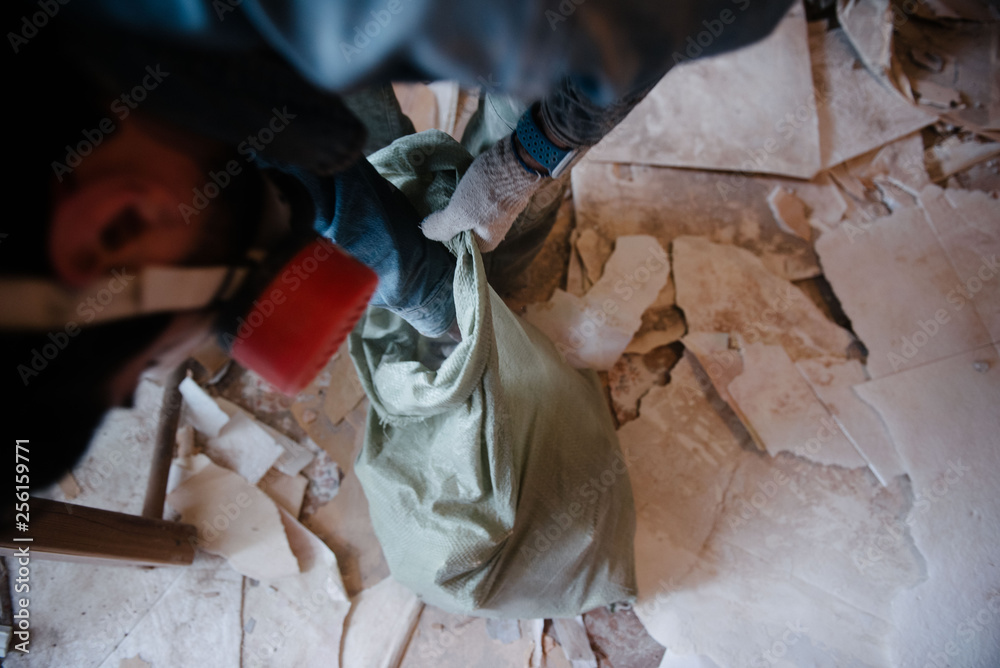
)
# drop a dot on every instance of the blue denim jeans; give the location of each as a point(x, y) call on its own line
point(374, 222)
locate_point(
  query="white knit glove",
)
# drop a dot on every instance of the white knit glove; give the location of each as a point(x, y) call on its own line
point(488, 199)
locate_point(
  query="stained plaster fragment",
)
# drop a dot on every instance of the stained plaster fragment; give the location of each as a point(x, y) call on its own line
point(856, 112)
point(726, 289)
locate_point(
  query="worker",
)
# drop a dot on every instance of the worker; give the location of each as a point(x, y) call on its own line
point(203, 133)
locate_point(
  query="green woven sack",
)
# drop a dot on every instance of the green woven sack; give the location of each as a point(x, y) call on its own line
point(495, 482)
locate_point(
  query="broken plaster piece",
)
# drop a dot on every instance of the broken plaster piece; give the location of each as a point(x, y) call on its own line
point(917, 313)
point(379, 626)
point(832, 380)
point(943, 418)
point(628, 380)
point(594, 330)
point(783, 414)
point(243, 445)
point(575, 643)
point(857, 113)
point(790, 212)
point(286, 490)
point(681, 123)
point(234, 520)
point(315, 599)
point(954, 155)
point(344, 391)
point(594, 251)
point(202, 411)
point(726, 289)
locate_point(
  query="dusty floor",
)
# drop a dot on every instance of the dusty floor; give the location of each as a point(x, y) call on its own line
point(808, 407)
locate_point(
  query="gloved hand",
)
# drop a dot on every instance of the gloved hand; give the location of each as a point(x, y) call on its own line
point(488, 199)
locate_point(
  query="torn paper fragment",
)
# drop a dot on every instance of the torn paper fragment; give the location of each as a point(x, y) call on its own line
point(856, 112)
point(832, 380)
point(594, 330)
point(234, 520)
point(202, 411)
point(681, 122)
point(790, 212)
point(943, 418)
point(726, 289)
point(783, 414)
point(314, 599)
point(903, 297)
point(379, 626)
point(244, 445)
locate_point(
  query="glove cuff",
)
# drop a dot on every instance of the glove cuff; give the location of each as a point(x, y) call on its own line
point(539, 147)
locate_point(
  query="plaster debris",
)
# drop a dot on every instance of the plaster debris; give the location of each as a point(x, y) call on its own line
point(832, 380)
point(966, 226)
point(69, 487)
point(287, 491)
point(790, 212)
point(379, 626)
point(726, 208)
point(954, 155)
point(202, 411)
point(726, 289)
point(575, 643)
point(594, 330)
point(443, 640)
point(682, 124)
point(344, 391)
point(200, 610)
point(594, 251)
point(969, 66)
point(725, 536)
point(915, 316)
point(235, 520)
point(943, 418)
point(782, 412)
point(243, 445)
point(628, 380)
point(867, 24)
point(503, 630)
point(857, 113)
point(298, 619)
